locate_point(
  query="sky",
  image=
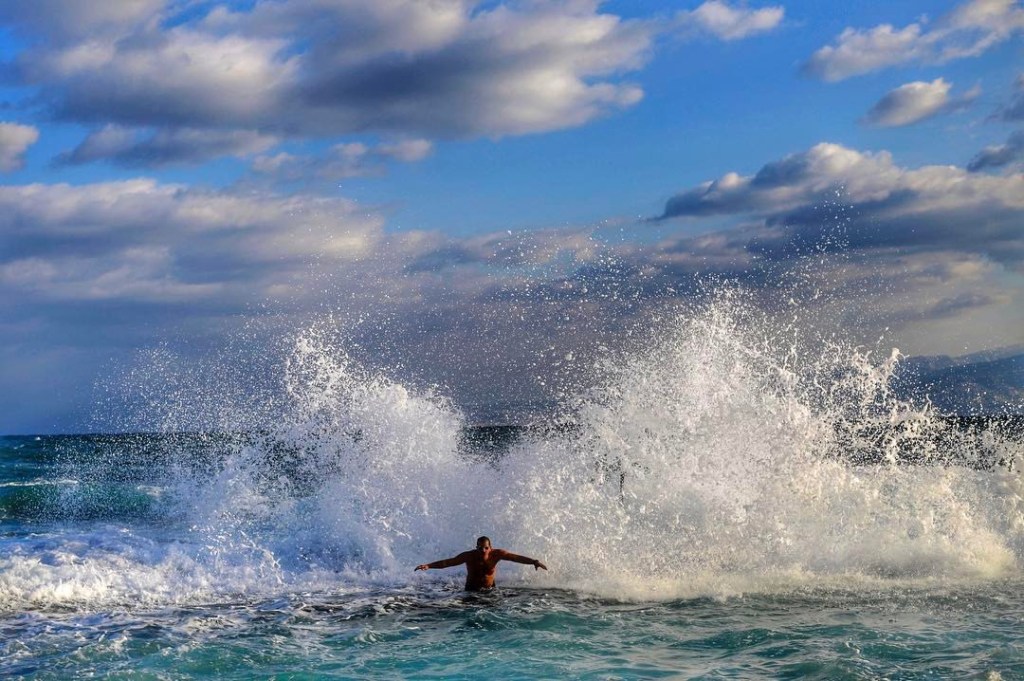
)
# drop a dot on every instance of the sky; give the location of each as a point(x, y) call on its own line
point(480, 195)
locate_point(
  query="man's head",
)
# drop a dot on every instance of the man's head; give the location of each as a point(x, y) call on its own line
point(483, 544)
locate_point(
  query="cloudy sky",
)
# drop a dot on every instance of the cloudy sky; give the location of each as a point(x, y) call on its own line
point(478, 192)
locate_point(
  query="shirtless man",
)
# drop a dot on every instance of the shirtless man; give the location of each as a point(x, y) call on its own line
point(481, 564)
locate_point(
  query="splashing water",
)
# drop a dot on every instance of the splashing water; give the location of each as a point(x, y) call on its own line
point(707, 463)
point(719, 458)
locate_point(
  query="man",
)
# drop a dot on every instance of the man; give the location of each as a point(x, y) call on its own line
point(481, 564)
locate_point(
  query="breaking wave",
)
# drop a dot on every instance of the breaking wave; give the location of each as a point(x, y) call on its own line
point(717, 457)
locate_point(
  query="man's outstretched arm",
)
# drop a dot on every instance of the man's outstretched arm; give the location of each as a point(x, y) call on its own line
point(446, 563)
point(516, 558)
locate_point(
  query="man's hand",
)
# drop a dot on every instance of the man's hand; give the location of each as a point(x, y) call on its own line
point(427, 567)
point(537, 565)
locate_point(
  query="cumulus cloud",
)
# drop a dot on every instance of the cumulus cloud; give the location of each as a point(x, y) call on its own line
point(170, 146)
point(726, 22)
point(408, 151)
point(354, 159)
point(122, 240)
point(925, 298)
point(450, 68)
point(137, 273)
point(15, 139)
point(306, 68)
point(1001, 155)
point(175, 78)
point(969, 30)
point(72, 20)
point(929, 208)
point(1013, 111)
point(914, 102)
point(142, 241)
point(85, 262)
point(535, 250)
point(907, 249)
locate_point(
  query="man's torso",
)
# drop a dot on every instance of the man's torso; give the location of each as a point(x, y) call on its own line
point(480, 571)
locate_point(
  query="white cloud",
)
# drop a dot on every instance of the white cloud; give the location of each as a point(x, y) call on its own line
point(495, 309)
point(143, 238)
point(969, 30)
point(308, 68)
point(537, 249)
point(71, 20)
point(730, 23)
point(301, 68)
point(975, 26)
point(353, 159)
point(1000, 155)
point(1013, 111)
point(351, 31)
point(136, 274)
point(928, 208)
point(409, 151)
point(169, 146)
point(163, 82)
point(179, 78)
point(859, 51)
point(15, 139)
point(910, 103)
point(914, 102)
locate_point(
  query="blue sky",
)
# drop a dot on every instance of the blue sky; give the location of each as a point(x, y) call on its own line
point(175, 169)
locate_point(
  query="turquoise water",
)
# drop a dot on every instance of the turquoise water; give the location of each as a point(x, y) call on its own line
point(526, 633)
point(715, 507)
point(103, 577)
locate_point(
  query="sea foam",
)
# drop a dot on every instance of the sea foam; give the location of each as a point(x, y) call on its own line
point(714, 458)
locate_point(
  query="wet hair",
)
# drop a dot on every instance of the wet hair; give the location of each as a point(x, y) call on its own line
point(481, 540)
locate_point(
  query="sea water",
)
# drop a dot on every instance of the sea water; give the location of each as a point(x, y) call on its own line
point(717, 503)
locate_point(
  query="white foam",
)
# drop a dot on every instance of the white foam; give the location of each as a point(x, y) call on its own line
point(713, 461)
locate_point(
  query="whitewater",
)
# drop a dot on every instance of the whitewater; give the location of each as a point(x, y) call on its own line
point(722, 499)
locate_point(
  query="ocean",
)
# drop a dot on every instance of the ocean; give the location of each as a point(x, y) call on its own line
point(716, 504)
